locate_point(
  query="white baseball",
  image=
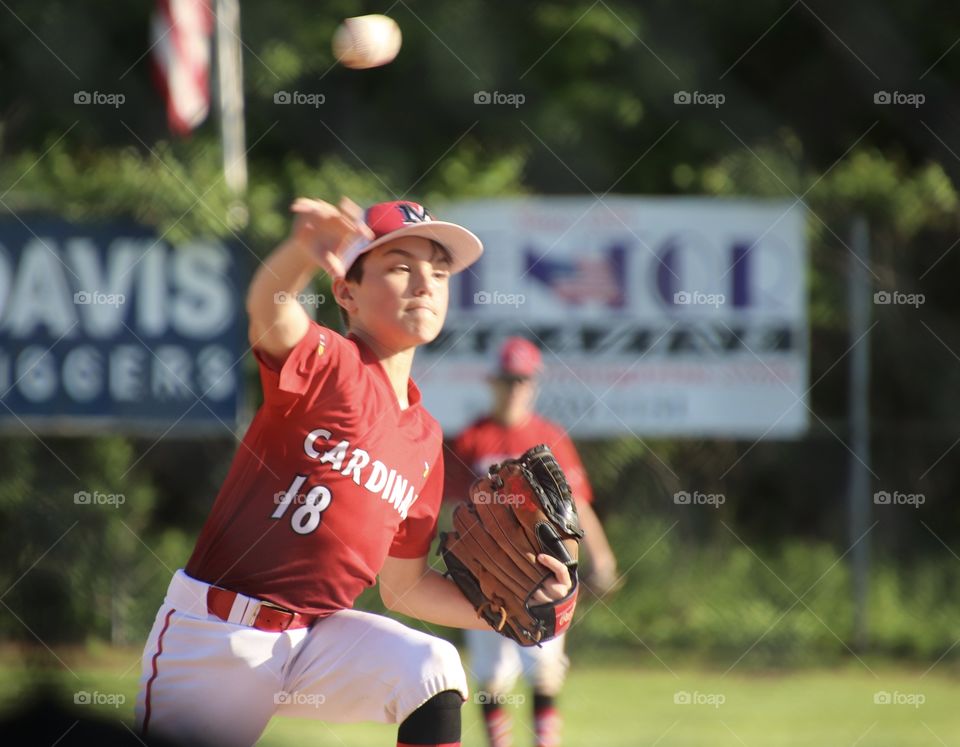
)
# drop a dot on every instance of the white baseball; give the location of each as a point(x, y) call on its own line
point(366, 41)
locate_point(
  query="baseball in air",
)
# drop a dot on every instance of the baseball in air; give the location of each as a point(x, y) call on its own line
point(366, 41)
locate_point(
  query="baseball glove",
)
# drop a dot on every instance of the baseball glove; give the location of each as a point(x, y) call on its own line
point(521, 508)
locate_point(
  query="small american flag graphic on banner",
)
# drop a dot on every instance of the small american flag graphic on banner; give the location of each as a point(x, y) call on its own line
point(181, 33)
point(598, 279)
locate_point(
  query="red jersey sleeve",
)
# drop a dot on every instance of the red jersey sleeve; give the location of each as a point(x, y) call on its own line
point(307, 365)
point(566, 454)
point(417, 531)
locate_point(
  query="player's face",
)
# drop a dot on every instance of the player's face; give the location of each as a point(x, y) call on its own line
point(513, 397)
point(402, 297)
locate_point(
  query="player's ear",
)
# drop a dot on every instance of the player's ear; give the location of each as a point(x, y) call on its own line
point(343, 294)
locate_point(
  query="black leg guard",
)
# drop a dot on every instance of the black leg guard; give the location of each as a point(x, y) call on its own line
point(542, 702)
point(435, 722)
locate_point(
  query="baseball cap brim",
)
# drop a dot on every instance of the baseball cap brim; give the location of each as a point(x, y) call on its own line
point(464, 246)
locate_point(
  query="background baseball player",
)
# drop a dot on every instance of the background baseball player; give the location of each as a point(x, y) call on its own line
point(512, 427)
point(338, 480)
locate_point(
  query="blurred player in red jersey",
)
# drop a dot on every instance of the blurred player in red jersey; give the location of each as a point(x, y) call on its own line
point(337, 482)
point(511, 428)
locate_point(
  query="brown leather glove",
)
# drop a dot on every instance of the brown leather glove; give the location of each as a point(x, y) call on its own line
point(522, 508)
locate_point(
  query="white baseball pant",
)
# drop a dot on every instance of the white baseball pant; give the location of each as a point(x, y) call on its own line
point(206, 681)
point(497, 662)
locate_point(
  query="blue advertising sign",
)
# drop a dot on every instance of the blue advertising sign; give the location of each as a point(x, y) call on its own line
point(110, 326)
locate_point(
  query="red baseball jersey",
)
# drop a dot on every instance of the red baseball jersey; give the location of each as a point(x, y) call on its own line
point(486, 441)
point(331, 477)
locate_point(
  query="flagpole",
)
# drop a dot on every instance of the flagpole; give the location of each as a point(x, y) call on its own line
point(230, 101)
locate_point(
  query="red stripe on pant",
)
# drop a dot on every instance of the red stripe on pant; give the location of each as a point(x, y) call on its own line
point(146, 707)
point(438, 744)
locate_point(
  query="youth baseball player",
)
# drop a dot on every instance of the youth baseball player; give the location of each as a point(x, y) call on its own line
point(337, 481)
point(510, 429)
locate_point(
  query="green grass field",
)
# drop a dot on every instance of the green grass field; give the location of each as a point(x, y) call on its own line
point(625, 706)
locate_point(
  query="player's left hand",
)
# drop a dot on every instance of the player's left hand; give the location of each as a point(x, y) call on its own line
point(558, 586)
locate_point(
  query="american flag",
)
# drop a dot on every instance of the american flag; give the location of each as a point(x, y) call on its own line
point(181, 33)
point(591, 278)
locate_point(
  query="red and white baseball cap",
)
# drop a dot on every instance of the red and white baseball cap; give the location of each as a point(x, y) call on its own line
point(394, 220)
point(519, 358)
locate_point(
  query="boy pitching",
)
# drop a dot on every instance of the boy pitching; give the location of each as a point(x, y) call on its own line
point(337, 482)
point(510, 429)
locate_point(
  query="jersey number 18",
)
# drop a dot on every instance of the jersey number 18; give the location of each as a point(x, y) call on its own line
point(308, 516)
